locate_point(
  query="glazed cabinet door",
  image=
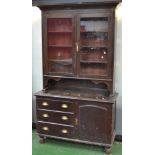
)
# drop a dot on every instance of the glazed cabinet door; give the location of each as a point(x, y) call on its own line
point(94, 123)
point(58, 44)
point(95, 45)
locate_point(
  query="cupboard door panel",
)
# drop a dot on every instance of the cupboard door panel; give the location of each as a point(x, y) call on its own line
point(93, 123)
point(78, 45)
point(59, 38)
point(94, 42)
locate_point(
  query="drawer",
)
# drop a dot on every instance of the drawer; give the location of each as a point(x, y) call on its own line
point(56, 117)
point(55, 130)
point(56, 105)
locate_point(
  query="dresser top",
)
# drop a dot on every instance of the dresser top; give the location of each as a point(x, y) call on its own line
point(110, 99)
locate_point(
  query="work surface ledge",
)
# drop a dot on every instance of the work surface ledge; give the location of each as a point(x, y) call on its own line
point(55, 94)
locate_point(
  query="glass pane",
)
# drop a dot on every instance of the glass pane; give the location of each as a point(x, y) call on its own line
point(94, 46)
point(60, 67)
point(59, 24)
point(59, 36)
point(97, 69)
point(94, 54)
point(94, 31)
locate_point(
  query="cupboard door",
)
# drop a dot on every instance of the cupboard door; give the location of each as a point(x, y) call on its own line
point(59, 55)
point(95, 42)
point(94, 123)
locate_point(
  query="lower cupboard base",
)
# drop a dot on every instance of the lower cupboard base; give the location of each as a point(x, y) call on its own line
point(107, 147)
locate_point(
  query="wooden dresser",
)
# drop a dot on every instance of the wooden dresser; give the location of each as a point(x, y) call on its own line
point(78, 100)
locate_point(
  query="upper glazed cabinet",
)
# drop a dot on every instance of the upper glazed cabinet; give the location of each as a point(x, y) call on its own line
point(78, 44)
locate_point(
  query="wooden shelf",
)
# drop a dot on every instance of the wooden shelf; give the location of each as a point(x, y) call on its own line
point(91, 61)
point(63, 61)
point(67, 46)
point(61, 72)
point(94, 47)
point(59, 31)
point(104, 31)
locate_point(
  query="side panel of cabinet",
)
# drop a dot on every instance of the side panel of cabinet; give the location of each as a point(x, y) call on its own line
point(95, 122)
point(58, 30)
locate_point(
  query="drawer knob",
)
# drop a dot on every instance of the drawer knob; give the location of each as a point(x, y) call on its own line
point(45, 128)
point(102, 57)
point(45, 104)
point(64, 118)
point(45, 115)
point(64, 106)
point(64, 131)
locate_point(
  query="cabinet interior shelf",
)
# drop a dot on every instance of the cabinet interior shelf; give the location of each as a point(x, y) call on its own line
point(105, 31)
point(63, 61)
point(90, 61)
point(62, 72)
point(68, 46)
point(93, 47)
point(59, 31)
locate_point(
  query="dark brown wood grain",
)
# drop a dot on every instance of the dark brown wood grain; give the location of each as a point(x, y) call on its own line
point(71, 66)
point(63, 3)
point(92, 121)
point(56, 117)
point(78, 101)
point(52, 104)
point(55, 129)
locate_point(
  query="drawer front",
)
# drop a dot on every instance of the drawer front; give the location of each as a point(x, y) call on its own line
point(56, 117)
point(55, 105)
point(55, 130)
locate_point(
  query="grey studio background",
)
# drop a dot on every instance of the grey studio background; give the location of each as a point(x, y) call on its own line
point(37, 62)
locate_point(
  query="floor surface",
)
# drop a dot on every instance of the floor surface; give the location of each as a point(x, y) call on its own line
point(58, 147)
